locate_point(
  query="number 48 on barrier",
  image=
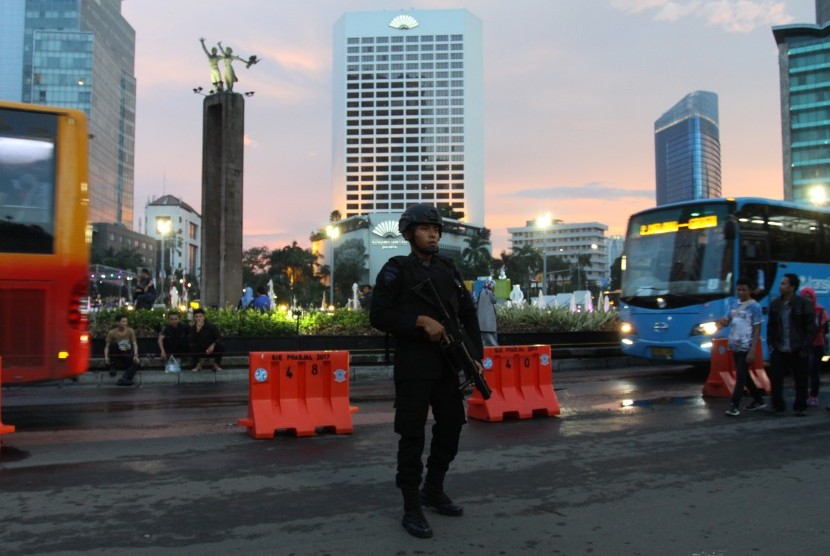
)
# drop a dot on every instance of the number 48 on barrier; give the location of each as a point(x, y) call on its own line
point(298, 391)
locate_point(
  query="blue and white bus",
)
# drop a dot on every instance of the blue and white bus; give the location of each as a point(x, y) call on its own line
point(681, 261)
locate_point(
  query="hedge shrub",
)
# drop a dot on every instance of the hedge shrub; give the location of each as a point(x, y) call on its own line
point(346, 322)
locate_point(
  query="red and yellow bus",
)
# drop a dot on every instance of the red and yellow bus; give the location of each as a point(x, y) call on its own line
point(44, 251)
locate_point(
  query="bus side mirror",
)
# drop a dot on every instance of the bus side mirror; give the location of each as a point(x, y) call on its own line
point(729, 230)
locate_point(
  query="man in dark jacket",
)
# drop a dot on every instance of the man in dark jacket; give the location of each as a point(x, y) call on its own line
point(174, 339)
point(145, 291)
point(790, 332)
point(204, 342)
point(423, 378)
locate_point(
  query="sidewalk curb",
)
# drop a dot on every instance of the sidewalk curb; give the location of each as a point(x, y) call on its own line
point(152, 371)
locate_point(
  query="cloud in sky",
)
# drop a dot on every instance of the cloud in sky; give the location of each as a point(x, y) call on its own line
point(734, 16)
point(585, 191)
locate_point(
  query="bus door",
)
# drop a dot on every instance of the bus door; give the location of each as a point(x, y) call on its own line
point(755, 264)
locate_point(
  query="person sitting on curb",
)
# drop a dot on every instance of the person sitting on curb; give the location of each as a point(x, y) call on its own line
point(174, 339)
point(121, 350)
point(204, 341)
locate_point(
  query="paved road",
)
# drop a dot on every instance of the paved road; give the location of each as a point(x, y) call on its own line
point(637, 464)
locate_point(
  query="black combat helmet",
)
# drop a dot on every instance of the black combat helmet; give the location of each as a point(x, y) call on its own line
point(421, 213)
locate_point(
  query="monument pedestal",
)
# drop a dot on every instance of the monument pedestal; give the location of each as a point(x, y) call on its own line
point(222, 164)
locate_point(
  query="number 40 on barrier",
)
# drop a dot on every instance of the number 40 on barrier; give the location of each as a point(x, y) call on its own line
point(521, 379)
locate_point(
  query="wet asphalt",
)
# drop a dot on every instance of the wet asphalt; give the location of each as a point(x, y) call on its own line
point(638, 462)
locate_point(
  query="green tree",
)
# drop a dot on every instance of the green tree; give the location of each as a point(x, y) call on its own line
point(125, 258)
point(521, 264)
point(256, 265)
point(293, 270)
point(475, 257)
point(579, 271)
point(616, 274)
point(558, 272)
point(349, 268)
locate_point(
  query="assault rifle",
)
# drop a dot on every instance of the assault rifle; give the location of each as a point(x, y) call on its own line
point(457, 348)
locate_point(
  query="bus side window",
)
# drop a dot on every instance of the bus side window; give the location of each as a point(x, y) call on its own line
point(754, 249)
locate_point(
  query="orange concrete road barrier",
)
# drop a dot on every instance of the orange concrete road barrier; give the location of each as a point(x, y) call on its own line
point(521, 378)
point(4, 429)
point(721, 379)
point(298, 391)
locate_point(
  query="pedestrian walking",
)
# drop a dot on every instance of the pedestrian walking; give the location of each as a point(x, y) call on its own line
point(744, 319)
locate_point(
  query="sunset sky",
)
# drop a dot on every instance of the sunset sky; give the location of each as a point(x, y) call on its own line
point(572, 90)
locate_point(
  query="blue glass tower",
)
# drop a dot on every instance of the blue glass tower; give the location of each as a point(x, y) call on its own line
point(803, 60)
point(79, 54)
point(687, 150)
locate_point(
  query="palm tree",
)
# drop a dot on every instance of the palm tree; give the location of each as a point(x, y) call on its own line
point(476, 257)
point(293, 271)
point(522, 263)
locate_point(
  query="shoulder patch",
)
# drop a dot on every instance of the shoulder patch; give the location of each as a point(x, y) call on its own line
point(390, 272)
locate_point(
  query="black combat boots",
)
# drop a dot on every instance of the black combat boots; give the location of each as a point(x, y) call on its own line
point(441, 503)
point(433, 496)
point(413, 518)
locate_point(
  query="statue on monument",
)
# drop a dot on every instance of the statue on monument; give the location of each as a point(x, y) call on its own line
point(229, 57)
point(213, 60)
point(224, 53)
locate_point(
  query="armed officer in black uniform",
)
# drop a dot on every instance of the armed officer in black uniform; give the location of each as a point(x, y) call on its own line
point(423, 377)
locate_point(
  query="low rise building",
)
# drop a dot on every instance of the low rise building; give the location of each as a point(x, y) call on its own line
point(568, 242)
point(382, 240)
point(178, 229)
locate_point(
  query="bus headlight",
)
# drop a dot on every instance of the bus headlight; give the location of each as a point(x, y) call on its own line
point(705, 329)
point(627, 329)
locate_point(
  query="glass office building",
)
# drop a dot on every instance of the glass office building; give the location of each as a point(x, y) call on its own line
point(687, 150)
point(804, 69)
point(80, 54)
point(408, 111)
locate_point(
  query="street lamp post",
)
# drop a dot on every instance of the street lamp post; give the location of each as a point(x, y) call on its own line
point(543, 221)
point(332, 232)
point(163, 227)
point(594, 247)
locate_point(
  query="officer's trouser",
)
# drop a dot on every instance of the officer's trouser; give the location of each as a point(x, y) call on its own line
point(412, 402)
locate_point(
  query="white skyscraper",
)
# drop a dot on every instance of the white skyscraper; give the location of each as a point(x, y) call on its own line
point(408, 110)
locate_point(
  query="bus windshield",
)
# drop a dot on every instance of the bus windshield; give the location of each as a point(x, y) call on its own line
point(677, 257)
point(27, 181)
